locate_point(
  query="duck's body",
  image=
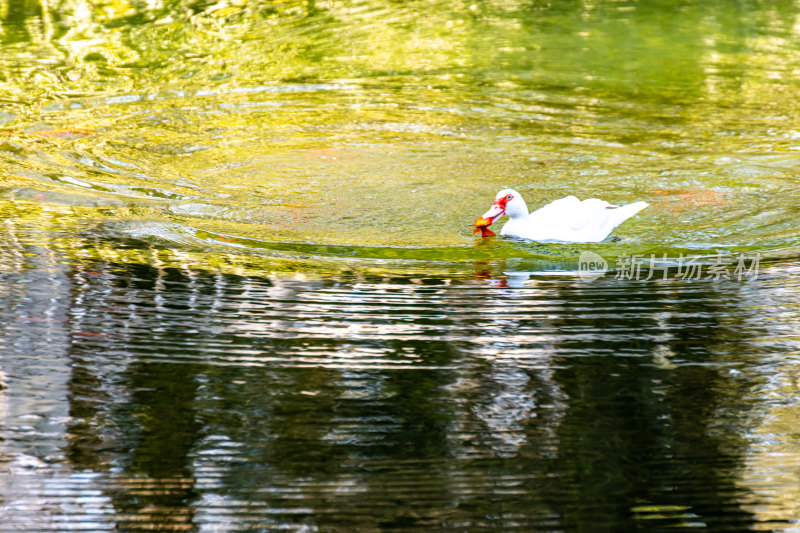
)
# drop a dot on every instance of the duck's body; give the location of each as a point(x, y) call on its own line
point(564, 220)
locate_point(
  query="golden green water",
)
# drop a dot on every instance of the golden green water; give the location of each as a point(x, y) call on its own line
point(238, 289)
point(385, 130)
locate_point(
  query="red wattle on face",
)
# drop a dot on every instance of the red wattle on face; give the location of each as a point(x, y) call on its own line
point(501, 202)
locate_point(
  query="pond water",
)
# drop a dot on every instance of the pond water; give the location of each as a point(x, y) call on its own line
point(239, 292)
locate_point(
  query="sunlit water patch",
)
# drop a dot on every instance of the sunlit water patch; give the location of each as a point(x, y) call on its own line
point(262, 176)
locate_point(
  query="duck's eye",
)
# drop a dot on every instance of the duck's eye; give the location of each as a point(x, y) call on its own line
point(509, 197)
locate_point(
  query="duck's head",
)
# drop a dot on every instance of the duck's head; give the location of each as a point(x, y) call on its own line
point(507, 202)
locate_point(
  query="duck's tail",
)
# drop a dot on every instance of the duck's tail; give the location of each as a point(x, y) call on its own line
point(623, 213)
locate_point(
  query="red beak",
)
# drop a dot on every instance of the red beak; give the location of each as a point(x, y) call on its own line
point(482, 225)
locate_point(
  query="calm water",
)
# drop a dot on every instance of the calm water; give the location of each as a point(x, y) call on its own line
point(239, 292)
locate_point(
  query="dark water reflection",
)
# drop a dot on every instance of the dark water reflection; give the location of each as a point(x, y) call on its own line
point(147, 396)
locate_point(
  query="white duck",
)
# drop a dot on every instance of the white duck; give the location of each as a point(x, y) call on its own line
point(564, 220)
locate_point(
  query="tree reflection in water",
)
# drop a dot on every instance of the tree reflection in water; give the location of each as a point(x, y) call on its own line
point(410, 402)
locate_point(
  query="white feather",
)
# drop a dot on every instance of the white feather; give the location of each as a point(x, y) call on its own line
point(564, 220)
